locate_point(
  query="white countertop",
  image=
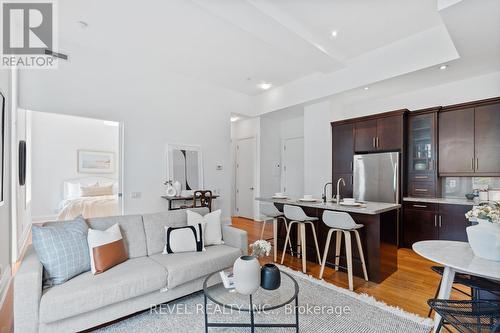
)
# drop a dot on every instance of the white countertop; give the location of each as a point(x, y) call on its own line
point(452, 201)
point(369, 208)
point(459, 256)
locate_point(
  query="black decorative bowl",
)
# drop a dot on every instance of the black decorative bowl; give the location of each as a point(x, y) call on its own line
point(270, 277)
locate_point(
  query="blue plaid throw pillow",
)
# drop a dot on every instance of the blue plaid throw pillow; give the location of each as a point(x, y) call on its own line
point(62, 249)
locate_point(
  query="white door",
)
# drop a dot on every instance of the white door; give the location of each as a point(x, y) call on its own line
point(245, 177)
point(293, 167)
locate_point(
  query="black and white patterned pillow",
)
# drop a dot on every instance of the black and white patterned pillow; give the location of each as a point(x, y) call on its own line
point(184, 239)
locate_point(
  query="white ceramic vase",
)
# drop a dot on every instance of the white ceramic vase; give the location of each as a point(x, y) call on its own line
point(177, 187)
point(484, 239)
point(171, 191)
point(246, 272)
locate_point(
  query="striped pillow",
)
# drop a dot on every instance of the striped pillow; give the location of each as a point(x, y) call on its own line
point(184, 239)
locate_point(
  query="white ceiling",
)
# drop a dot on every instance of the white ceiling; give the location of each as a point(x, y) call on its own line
point(237, 44)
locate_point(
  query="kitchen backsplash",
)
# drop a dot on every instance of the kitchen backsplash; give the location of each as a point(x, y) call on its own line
point(457, 187)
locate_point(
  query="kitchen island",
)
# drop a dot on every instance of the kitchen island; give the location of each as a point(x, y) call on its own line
point(379, 235)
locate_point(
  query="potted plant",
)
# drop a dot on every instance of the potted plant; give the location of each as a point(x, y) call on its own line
point(484, 237)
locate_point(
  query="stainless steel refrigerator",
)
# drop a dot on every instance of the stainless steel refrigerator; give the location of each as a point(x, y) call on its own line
point(376, 177)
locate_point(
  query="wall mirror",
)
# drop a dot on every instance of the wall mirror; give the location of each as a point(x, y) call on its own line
point(184, 164)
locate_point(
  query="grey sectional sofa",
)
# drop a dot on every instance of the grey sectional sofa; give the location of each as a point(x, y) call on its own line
point(147, 278)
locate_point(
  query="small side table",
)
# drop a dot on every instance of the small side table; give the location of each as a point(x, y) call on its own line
point(455, 257)
point(181, 198)
point(261, 300)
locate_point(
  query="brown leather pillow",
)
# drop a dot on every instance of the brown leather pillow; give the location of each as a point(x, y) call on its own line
point(109, 255)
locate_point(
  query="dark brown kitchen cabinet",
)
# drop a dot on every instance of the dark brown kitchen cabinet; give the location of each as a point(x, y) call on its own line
point(345, 191)
point(381, 134)
point(419, 225)
point(365, 136)
point(422, 157)
point(427, 221)
point(456, 141)
point(469, 139)
point(343, 147)
point(487, 139)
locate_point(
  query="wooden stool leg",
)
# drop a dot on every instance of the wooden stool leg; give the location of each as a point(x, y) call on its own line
point(286, 241)
point(338, 244)
point(348, 253)
point(315, 241)
point(361, 255)
point(298, 248)
point(325, 254)
point(275, 238)
point(303, 248)
point(263, 229)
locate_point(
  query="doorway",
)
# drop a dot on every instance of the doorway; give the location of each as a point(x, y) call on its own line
point(245, 177)
point(292, 180)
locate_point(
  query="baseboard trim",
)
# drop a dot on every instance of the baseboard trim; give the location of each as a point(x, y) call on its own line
point(4, 284)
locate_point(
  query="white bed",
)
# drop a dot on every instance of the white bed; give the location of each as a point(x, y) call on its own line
point(75, 204)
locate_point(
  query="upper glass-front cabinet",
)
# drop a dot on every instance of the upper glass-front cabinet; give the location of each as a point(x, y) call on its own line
point(422, 143)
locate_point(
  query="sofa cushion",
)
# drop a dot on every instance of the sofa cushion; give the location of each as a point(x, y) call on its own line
point(88, 292)
point(188, 266)
point(154, 226)
point(132, 230)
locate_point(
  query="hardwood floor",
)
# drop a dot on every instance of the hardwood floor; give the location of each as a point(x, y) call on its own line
point(408, 288)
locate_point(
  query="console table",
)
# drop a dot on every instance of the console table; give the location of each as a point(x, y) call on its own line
point(181, 198)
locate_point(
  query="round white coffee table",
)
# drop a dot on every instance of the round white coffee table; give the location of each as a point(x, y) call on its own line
point(455, 257)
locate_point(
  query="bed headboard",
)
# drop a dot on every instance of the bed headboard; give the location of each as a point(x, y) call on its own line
point(85, 181)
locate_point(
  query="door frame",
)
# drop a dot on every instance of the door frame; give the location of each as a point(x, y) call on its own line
point(283, 161)
point(255, 176)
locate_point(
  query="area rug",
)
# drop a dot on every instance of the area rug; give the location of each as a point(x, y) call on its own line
point(325, 308)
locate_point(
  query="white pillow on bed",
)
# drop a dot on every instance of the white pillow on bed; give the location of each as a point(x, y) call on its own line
point(73, 190)
point(94, 191)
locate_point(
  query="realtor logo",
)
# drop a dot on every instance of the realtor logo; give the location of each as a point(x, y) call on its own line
point(27, 34)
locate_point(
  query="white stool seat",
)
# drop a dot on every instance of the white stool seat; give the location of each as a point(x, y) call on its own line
point(342, 223)
point(271, 212)
point(298, 216)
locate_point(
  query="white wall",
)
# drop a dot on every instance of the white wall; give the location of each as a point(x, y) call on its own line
point(5, 207)
point(317, 117)
point(155, 110)
point(317, 147)
point(55, 142)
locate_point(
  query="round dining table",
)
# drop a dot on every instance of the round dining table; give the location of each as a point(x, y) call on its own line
point(455, 257)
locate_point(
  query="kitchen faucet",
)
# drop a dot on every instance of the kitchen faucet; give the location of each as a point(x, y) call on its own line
point(324, 191)
point(338, 189)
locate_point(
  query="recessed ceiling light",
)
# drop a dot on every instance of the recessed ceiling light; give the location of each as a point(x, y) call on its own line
point(335, 33)
point(366, 88)
point(234, 118)
point(265, 85)
point(443, 67)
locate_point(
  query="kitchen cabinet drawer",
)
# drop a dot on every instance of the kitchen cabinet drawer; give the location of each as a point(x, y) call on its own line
point(415, 205)
point(422, 177)
point(422, 189)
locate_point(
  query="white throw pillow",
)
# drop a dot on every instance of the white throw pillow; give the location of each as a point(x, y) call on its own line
point(97, 238)
point(73, 190)
point(212, 231)
point(184, 239)
point(94, 191)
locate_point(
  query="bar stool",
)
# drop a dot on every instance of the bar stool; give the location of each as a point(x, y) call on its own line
point(342, 223)
point(296, 215)
point(271, 212)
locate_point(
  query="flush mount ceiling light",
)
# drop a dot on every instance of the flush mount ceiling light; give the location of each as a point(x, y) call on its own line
point(334, 33)
point(366, 88)
point(443, 67)
point(234, 118)
point(265, 85)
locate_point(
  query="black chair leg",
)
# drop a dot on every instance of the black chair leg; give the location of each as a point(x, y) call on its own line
point(435, 296)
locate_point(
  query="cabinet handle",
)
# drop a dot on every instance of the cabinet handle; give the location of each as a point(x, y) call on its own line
point(472, 164)
point(440, 220)
point(351, 165)
point(420, 206)
point(477, 164)
point(421, 177)
point(435, 221)
point(373, 142)
point(421, 190)
point(377, 141)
